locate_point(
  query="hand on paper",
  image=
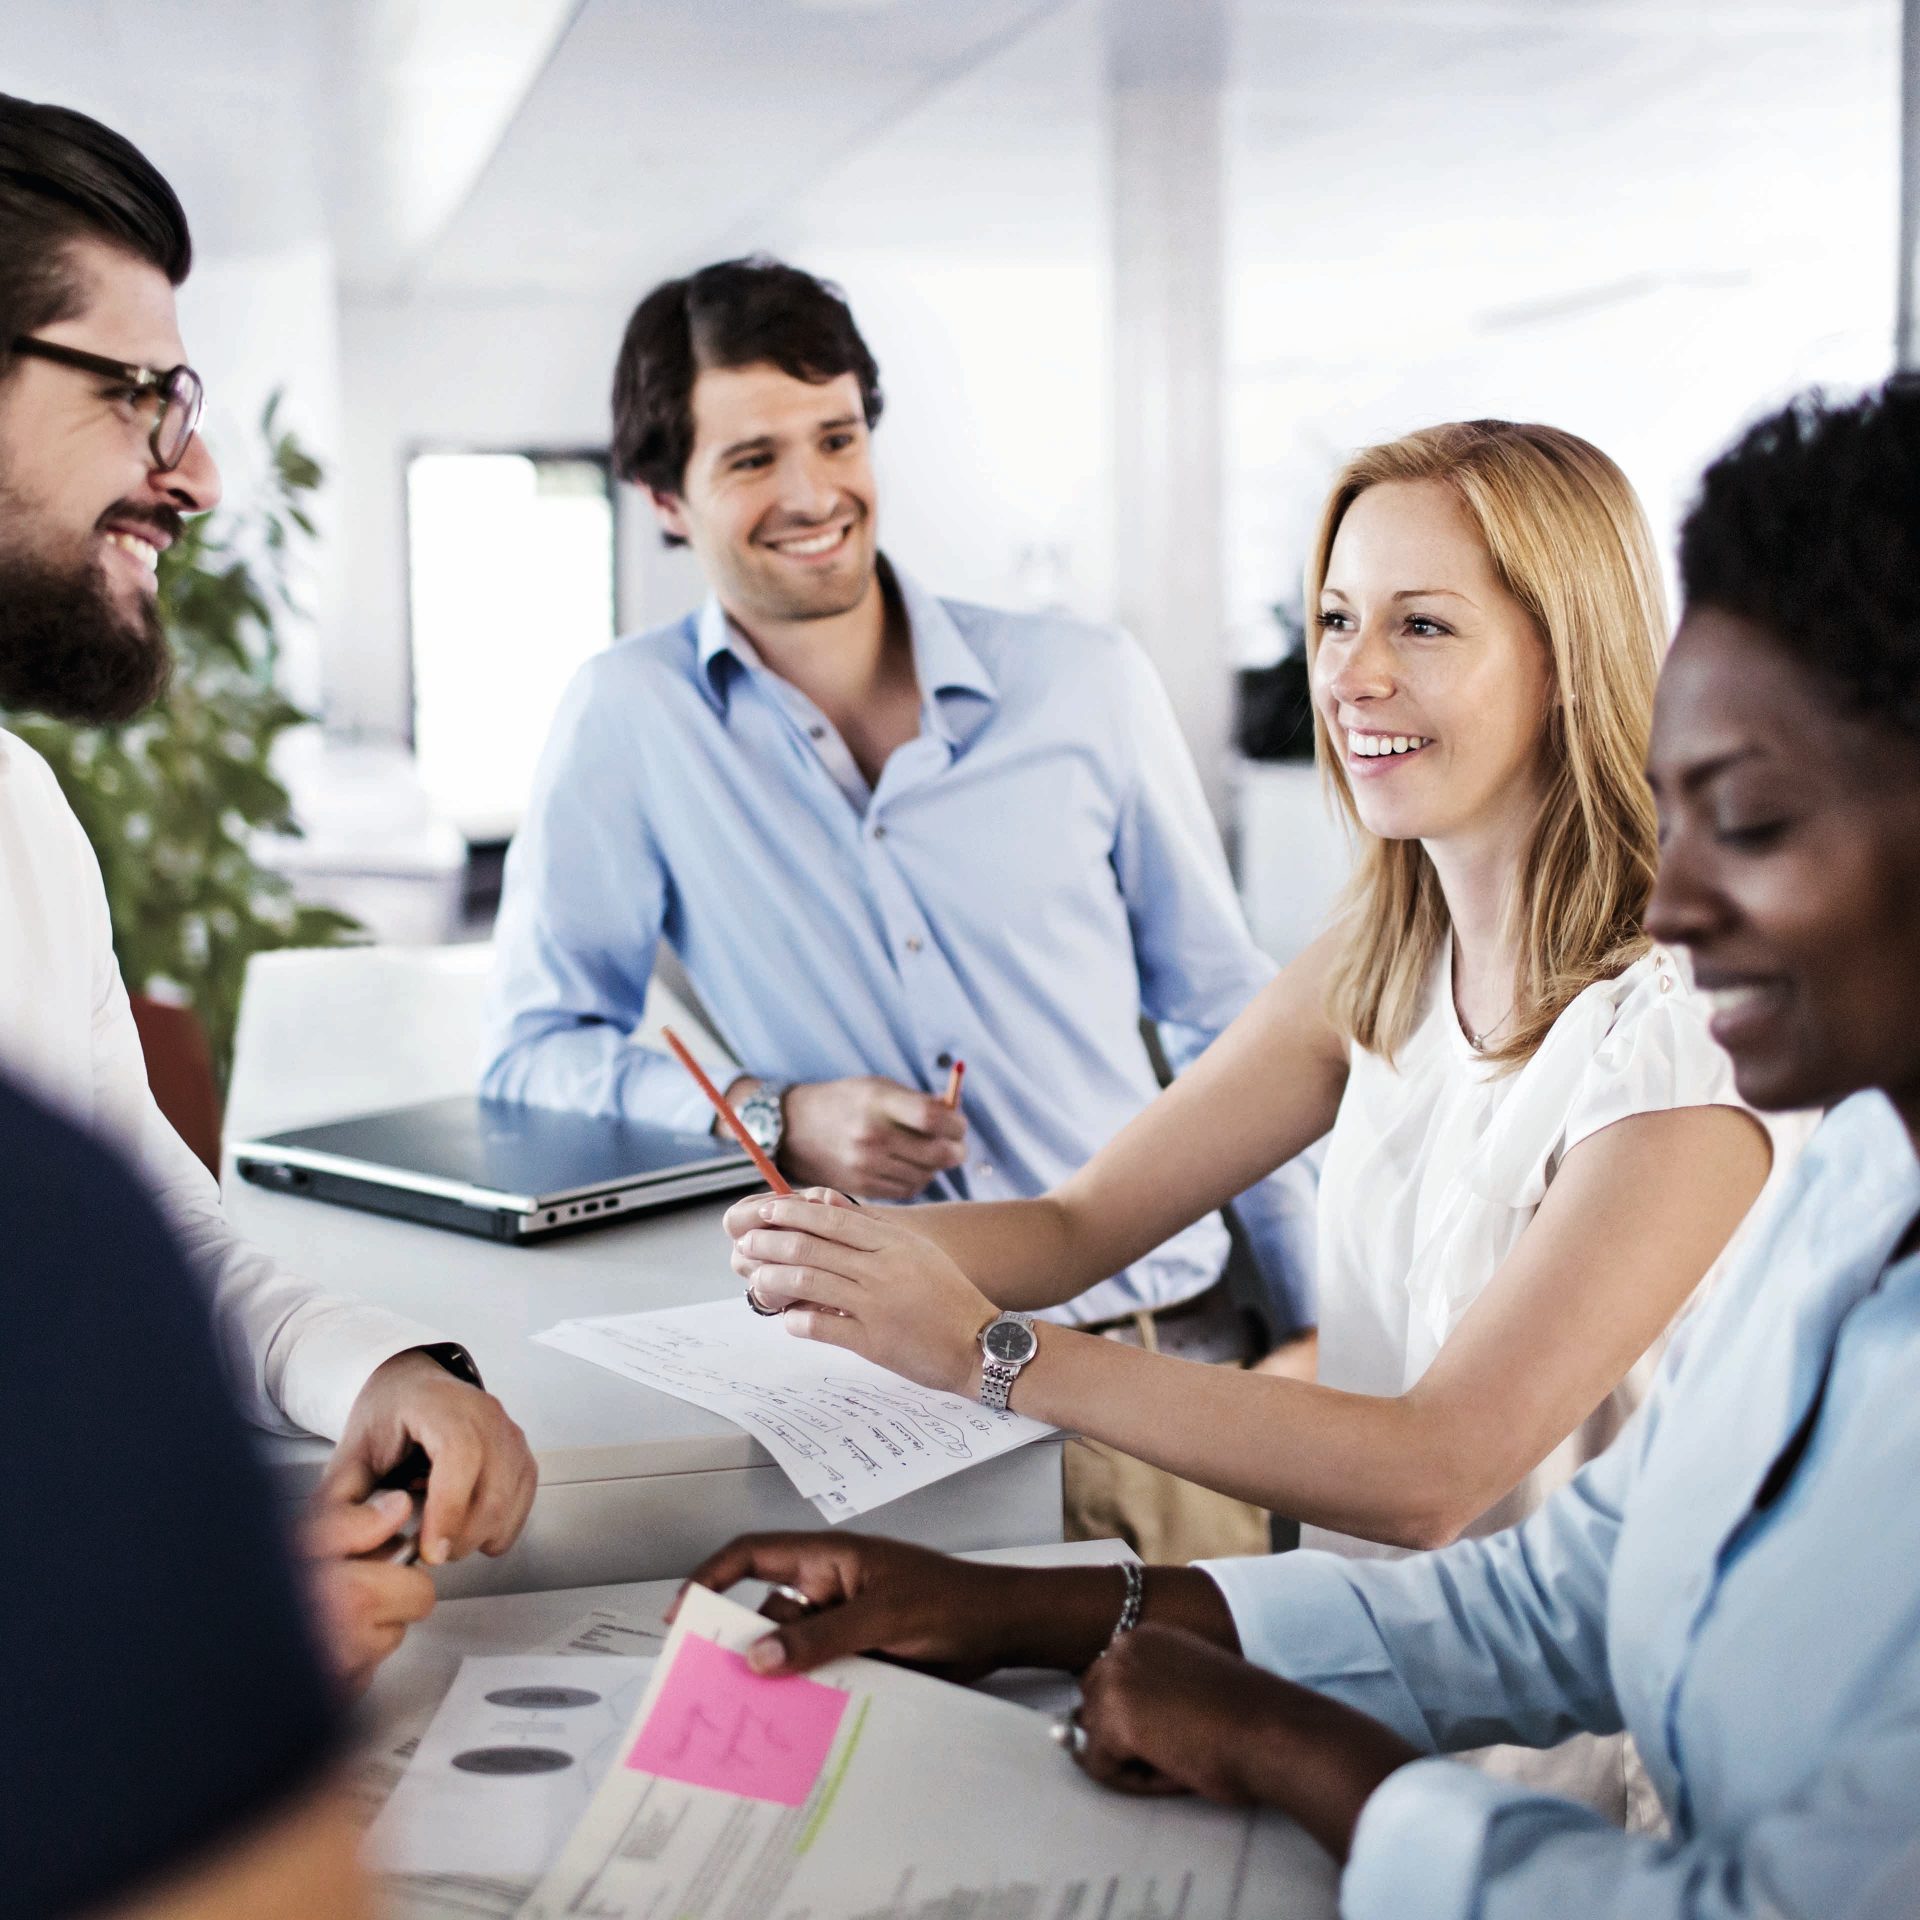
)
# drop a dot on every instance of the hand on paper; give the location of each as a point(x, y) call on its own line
point(363, 1606)
point(483, 1475)
point(892, 1297)
point(870, 1596)
point(869, 1137)
point(1166, 1711)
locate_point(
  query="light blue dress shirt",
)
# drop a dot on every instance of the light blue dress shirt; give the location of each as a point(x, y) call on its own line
point(1765, 1655)
point(1032, 873)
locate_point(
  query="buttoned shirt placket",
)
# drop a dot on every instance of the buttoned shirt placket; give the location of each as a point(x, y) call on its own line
point(932, 998)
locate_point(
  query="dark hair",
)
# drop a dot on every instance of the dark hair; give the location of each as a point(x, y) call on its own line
point(732, 314)
point(64, 177)
point(1809, 527)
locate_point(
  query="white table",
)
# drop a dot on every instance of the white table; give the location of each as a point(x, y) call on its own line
point(635, 1485)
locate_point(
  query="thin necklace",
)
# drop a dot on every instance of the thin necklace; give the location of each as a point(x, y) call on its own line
point(1477, 1041)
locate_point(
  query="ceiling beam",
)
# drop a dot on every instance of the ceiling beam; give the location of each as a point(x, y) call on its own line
point(426, 92)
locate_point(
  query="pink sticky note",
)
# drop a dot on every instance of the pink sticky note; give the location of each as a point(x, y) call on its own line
point(717, 1723)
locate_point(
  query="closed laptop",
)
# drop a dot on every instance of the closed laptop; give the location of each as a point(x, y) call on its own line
point(494, 1168)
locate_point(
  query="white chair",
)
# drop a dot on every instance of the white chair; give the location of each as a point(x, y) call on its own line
point(329, 1032)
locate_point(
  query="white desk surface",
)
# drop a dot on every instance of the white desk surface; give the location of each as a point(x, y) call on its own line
point(584, 1422)
point(634, 1484)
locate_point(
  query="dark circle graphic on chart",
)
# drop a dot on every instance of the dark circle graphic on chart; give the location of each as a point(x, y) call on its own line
point(544, 1699)
point(510, 1760)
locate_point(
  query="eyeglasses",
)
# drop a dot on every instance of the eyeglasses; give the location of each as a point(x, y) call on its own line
point(179, 390)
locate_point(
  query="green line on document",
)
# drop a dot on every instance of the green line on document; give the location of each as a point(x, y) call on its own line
point(833, 1784)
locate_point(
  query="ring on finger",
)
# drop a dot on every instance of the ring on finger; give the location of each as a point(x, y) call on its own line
point(1069, 1733)
point(793, 1594)
point(760, 1307)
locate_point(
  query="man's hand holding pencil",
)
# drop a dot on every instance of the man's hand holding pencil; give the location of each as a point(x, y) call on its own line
point(870, 1137)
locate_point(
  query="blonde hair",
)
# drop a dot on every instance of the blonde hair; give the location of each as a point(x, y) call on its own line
point(1569, 541)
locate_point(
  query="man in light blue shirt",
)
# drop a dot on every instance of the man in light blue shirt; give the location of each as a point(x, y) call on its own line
point(881, 831)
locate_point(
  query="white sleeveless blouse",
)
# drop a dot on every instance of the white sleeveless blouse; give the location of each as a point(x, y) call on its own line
point(1436, 1165)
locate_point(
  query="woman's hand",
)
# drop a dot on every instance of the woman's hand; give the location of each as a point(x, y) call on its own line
point(1166, 1711)
point(951, 1617)
point(858, 1278)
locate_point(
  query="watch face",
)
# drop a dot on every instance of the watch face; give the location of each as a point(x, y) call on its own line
point(1008, 1340)
point(760, 1115)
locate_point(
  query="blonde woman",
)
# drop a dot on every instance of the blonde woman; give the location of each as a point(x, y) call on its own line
point(1537, 1152)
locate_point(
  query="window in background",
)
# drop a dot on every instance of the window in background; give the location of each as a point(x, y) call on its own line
point(510, 566)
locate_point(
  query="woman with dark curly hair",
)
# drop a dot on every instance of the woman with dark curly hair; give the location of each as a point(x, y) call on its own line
point(1737, 1581)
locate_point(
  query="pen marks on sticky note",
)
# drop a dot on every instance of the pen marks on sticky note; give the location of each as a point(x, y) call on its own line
point(717, 1723)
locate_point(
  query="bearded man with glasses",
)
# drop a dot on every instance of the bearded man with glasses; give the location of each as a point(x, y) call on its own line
point(100, 464)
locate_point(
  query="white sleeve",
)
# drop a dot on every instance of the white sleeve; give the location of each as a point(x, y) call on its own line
point(1656, 1056)
point(298, 1356)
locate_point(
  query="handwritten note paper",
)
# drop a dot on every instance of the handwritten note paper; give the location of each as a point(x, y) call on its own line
point(849, 1435)
point(717, 1723)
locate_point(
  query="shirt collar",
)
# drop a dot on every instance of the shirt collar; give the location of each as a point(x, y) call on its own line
point(1861, 1162)
point(945, 665)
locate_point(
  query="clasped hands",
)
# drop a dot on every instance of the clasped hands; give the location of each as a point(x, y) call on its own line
point(479, 1489)
point(860, 1278)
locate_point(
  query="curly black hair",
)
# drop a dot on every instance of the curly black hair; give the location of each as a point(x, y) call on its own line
point(1809, 527)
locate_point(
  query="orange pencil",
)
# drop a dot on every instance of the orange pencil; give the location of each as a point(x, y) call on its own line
point(951, 1098)
point(768, 1171)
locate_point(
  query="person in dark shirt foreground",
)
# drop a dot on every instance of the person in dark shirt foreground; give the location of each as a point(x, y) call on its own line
point(170, 1724)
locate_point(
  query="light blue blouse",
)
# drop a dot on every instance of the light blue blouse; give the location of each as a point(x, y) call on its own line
point(1765, 1656)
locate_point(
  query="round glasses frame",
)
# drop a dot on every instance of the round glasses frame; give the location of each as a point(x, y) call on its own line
point(181, 392)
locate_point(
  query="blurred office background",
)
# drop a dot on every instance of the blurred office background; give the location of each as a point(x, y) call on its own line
point(1137, 273)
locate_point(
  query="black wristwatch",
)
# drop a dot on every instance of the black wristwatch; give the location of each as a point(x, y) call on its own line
point(456, 1359)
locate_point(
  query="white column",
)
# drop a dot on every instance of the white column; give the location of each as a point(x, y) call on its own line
point(1906, 341)
point(1166, 70)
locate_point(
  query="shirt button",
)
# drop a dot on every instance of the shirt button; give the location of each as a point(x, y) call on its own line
point(880, 833)
point(986, 1173)
point(816, 732)
point(943, 1060)
point(913, 943)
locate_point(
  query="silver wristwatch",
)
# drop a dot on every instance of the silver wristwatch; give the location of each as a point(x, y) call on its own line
point(1007, 1343)
point(763, 1114)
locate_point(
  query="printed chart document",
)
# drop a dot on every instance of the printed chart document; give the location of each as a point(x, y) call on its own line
point(466, 1894)
point(866, 1792)
point(849, 1435)
point(507, 1766)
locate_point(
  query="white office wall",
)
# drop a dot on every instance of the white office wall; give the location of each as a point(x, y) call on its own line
point(1639, 223)
point(459, 373)
point(977, 273)
point(254, 325)
point(1643, 226)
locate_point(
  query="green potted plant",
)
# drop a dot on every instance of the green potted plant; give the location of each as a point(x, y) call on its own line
point(172, 799)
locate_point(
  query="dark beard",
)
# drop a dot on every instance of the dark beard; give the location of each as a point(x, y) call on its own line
point(69, 652)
